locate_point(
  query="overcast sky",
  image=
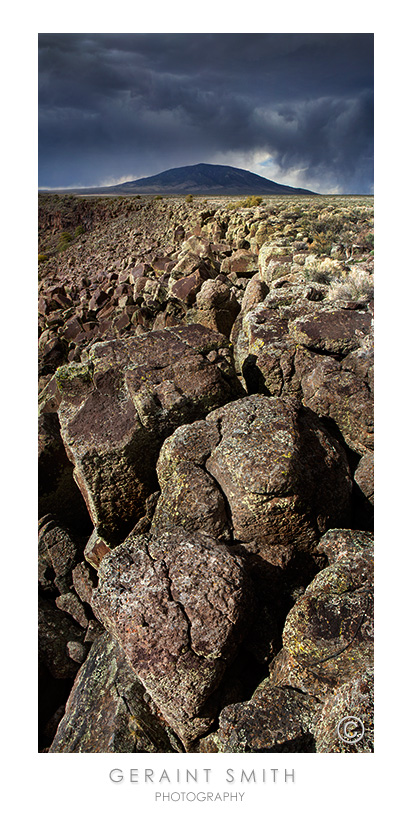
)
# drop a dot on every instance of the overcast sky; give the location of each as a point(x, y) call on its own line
point(295, 108)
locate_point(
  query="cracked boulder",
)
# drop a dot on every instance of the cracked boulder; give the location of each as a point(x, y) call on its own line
point(107, 711)
point(179, 606)
point(117, 409)
point(190, 497)
point(281, 478)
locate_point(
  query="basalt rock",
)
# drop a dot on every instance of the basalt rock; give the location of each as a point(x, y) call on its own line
point(337, 391)
point(274, 720)
point(117, 409)
point(264, 348)
point(83, 583)
point(328, 634)
point(264, 476)
point(216, 495)
point(189, 496)
point(345, 723)
point(52, 351)
point(95, 549)
point(331, 330)
point(324, 674)
point(179, 606)
point(106, 711)
point(364, 477)
point(72, 605)
point(293, 344)
point(255, 293)
point(282, 478)
point(275, 260)
point(59, 551)
point(216, 306)
point(242, 262)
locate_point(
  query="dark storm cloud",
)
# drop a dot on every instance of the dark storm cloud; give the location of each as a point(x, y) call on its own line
point(115, 105)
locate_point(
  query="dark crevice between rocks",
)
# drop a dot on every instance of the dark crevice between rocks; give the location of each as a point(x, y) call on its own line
point(58, 492)
point(277, 590)
point(302, 744)
point(238, 684)
point(253, 377)
point(362, 511)
point(323, 352)
point(52, 697)
point(237, 392)
point(147, 722)
point(227, 507)
point(353, 458)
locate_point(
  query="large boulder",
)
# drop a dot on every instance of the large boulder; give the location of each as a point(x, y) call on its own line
point(179, 605)
point(328, 634)
point(281, 478)
point(241, 262)
point(255, 293)
point(117, 409)
point(106, 711)
point(264, 347)
point(275, 260)
point(331, 330)
point(285, 478)
point(216, 306)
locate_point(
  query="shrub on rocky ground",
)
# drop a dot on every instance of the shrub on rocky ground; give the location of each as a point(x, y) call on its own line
point(355, 286)
point(250, 201)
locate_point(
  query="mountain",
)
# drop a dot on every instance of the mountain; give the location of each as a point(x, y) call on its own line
point(200, 179)
point(205, 179)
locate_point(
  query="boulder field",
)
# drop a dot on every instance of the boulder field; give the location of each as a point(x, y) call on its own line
point(205, 560)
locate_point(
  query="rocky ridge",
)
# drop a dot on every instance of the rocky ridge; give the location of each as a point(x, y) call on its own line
point(205, 474)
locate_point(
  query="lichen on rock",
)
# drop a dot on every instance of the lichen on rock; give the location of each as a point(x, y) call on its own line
point(179, 606)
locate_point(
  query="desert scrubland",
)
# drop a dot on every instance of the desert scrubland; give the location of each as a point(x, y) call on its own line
point(205, 473)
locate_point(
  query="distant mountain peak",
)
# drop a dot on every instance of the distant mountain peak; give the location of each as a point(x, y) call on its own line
point(215, 179)
point(199, 179)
